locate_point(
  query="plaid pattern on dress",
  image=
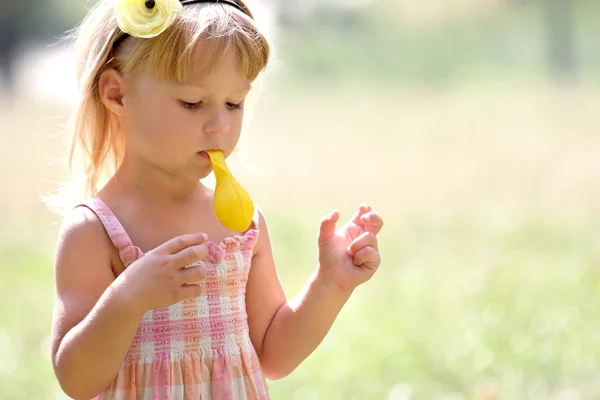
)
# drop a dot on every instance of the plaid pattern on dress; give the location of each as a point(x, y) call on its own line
point(199, 348)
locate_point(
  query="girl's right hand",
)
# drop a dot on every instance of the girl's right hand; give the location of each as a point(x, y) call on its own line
point(164, 275)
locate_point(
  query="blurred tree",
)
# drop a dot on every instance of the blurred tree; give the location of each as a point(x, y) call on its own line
point(339, 13)
point(559, 16)
point(32, 20)
point(11, 16)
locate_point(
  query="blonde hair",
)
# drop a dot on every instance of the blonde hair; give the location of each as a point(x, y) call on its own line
point(95, 147)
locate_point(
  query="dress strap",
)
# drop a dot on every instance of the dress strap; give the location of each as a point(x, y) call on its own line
point(119, 237)
point(255, 219)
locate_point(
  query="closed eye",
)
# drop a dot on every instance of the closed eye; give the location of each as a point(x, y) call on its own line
point(190, 106)
point(194, 106)
point(234, 106)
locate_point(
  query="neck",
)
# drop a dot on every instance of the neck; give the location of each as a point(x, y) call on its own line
point(148, 183)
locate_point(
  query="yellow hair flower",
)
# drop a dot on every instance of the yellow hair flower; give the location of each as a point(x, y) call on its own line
point(145, 18)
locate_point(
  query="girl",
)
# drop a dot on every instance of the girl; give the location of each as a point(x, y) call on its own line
point(156, 297)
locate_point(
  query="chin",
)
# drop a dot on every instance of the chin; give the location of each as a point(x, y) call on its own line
point(203, 176)
point(203, 173)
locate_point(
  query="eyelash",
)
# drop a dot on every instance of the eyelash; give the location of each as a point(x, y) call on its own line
point(195, 106)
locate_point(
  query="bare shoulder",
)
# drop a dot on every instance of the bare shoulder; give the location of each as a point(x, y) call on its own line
point(81, 229)
point(83, 249)
point(264, 242)
point(83, 269)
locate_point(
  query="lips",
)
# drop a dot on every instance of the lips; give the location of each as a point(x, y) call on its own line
point(204, 153)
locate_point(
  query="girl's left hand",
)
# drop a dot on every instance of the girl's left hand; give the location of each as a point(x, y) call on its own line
point(350, 256)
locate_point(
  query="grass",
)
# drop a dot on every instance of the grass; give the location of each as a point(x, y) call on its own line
point(467, 308)
point(488, 286)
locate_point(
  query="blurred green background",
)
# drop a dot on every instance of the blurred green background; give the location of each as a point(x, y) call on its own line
point(470, 125)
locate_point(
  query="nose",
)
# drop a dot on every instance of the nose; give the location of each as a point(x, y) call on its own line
point(218, 122)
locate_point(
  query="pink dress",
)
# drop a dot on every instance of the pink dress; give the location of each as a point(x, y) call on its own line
point(199, 348)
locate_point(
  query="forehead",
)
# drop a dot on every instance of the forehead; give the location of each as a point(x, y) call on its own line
point(217, 64)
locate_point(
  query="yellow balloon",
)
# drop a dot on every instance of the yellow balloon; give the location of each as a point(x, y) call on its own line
point(233, 205)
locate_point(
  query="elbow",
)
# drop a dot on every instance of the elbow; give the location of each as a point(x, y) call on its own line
point(71, 388)
point(72, 385)
point(275, 370)
point(74, 391)
point(77, 395)
point(275, 375)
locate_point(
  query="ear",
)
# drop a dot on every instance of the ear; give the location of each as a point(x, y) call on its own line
point(111, 86)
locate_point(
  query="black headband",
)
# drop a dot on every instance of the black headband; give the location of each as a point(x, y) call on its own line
point(152, 3)
point(228, 2)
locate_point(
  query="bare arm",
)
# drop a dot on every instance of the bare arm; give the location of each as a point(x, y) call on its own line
point(96, 316)
point(285, 332)
point(93, 325)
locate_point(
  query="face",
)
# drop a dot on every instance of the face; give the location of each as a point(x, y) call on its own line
point(169, 125)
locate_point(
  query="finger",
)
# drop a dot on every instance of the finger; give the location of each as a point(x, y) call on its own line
point(188, 256)
point(190, 291)
point(327, 227)
point(180, 243)
point(192, 275)
point(364, 240)
point(362, 209)
point(372, 222)
point(367, 257)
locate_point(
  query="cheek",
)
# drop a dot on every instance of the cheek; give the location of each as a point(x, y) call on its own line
point(152, 124)
point(235, 128)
